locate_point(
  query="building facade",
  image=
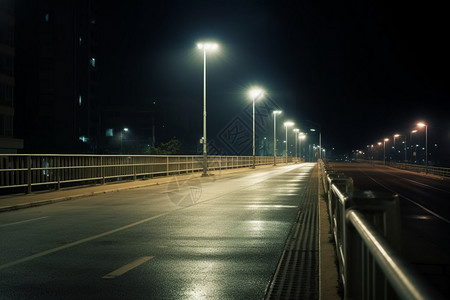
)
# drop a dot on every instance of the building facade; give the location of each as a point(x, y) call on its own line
point(8, 142)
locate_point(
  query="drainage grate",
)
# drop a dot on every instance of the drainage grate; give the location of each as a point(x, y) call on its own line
point(297, 274)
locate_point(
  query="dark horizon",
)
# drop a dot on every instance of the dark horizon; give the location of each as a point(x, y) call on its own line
point(363, 71)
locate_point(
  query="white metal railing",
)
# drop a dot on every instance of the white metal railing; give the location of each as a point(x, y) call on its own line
point(366, 231)
point(48, 171)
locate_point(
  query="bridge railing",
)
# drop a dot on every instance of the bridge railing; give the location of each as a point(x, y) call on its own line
point(439, 171)
point(49, 171)
point(366, 230)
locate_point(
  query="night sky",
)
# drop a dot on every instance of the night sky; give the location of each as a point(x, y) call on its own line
point(363, 70)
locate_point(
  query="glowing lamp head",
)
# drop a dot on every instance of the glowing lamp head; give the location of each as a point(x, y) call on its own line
point(421, 124)
point(396, 135)
point(288, 123)
point(277, 112)
point(296, 130)
point(125, 129)
point(386, 140)
point(256, 92)
point(207, 46)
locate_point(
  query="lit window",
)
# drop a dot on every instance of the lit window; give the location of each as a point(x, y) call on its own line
point(109, 132)
point(93, 62)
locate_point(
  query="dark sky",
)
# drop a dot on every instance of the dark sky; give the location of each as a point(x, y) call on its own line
point(361, 69)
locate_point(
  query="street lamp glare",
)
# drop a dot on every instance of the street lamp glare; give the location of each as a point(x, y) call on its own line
point(125, 129)
point(277, 112)
point(296, 130)
point(207, 46)
point(255, 93)
point(288, 123)
point(421, 124)
point(386, 140)
point(396, 135)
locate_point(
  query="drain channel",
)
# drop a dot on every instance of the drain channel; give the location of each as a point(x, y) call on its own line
point(297, 274)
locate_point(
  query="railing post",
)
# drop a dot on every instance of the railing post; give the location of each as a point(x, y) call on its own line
point(29, 174)
point(134, 167)
point(167, 165)
point(102, 171)
point(58, 172)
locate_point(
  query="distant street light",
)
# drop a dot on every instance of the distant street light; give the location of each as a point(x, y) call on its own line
point(296, 131)
point(398, 135)
point(254, 94)
point(275, 113)
point(287, 124)
point(384, 150)
point(121, 138)
point(301, 137)
point(421, 124)
point(205, 47)
point(410, 140)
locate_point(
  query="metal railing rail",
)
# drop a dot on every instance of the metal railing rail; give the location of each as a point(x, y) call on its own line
point(366, 230)
point(48, 171)
point(439, 171)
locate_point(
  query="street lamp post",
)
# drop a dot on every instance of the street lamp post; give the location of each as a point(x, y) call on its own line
point(384, 150)
point(205, 47)
point(296, 131)
point(421, 124)
point(121, 138)
point(410, 140)
point(255, 93)
point(287, 124)
point(275, 113)
point(301, 137)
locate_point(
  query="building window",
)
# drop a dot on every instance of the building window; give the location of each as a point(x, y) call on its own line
point(109, 132)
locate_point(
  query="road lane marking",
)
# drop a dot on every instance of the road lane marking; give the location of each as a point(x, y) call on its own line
point(128, 267)
point(270, 174)
point(412, 201)
point(21, 222)
point(88, 239)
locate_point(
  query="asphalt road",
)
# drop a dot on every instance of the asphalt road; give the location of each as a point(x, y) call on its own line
point(217, 237)
point(425, 215)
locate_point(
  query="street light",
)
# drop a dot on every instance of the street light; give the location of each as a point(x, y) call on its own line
point(254, 94)
point(121, 138)
point(301, 137)
point(205, 47)
point(296, 131)
point(287, 124)
point(275, 113)
point(410, 140)
point(396, 136)
point(421, 124)
point(384, 150)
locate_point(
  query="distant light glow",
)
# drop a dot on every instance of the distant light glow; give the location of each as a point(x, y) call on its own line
point(421, 124)
point(277, 112)
point(288, 123)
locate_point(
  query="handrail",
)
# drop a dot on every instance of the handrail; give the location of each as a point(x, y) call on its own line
point(48, 171)
point(366, 258)
point(399, 273)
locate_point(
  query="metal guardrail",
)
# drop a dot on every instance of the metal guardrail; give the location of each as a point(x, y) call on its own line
point(366, 230)
point(439, 171)
point(48, 171)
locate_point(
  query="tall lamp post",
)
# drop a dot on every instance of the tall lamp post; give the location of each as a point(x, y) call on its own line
point(275, 113)
point(421, 124)
point(296, 131)
point(121, 138)
point(287, 124)
point(254, 94)
point(301, 137)
point(205, 47)
point(398, 135)
point(384, 150)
